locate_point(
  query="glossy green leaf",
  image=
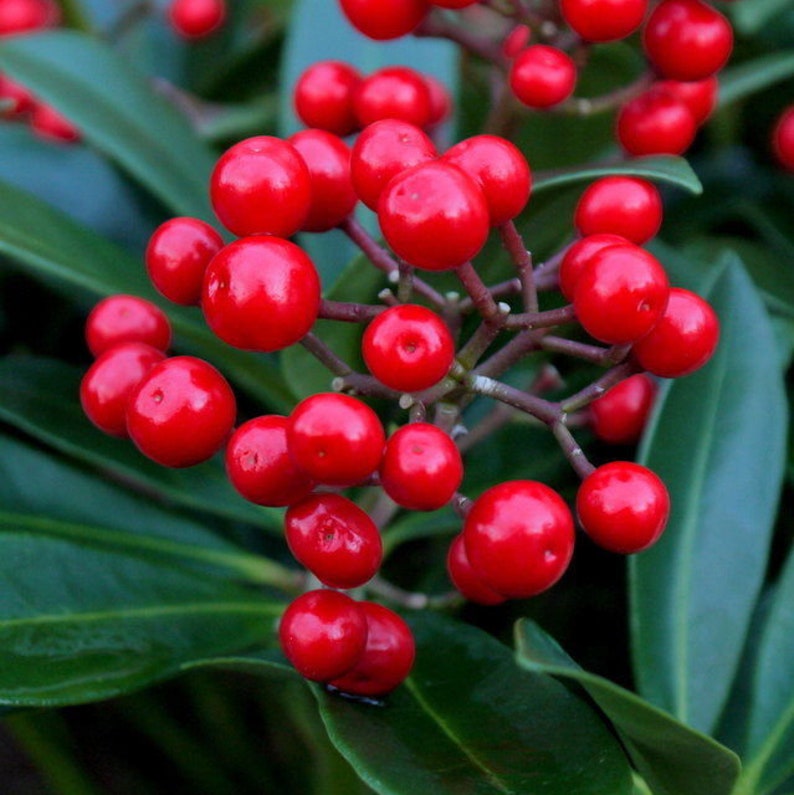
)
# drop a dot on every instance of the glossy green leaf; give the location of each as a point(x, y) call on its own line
point(749, 18)
point(468, 719)
point(120, 114)
point(693, 594)
point(672, 758)
point(749, 77)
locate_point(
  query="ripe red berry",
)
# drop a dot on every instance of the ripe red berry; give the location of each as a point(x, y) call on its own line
point(108, 383)
point(196, 19)
point(20, 16)
point(465, 578)
point(434, 216)
point(625, 206)
point(620, 414)
point(388, 656)
point(323, 634)
point(684, 338)
point(604, 20)
point(334, 539)
point(261, 293)
point(578, 254)
point(408, 348)
point(621, 294)
point(383, 150)
point(385, 19)
point(687, 39)
point(655, 123)
point(542, 76)
point(177, 255)
point(516, 40)
point(328, 159)
point(323, 97)
point(783, 138)
point(421, 468)
point(261, 186)
point(519, 537)
point(52, 125)
point(501, 171)
point(181, 412)
point(393, 92)
point(440, 100)
point(259, 465)
point(700, 96)
point(336, 439)
point(623, 506)
point(126, 318)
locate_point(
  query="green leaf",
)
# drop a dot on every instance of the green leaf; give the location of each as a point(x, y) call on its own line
point(749, 77)
point(660, 168)
point(672, 758)
point(749, 18)
point(120, 114)
point(469, 720)
point(693, 594)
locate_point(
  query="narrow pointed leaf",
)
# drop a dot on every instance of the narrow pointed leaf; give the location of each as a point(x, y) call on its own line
point(749, 77)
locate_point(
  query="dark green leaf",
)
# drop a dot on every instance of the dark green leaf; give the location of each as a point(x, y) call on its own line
point(748, 77)
point(749, 18)
point(672, 758)
point(693, 594)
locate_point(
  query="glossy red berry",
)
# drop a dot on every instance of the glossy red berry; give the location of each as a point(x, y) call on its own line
point(383, 150)
point(578, 254)
point(434, 216)
point(619, 416)
point(177, 255)
point(393, 92)
point(684, 338)
point(334, 539)
point(52, 125)
point(328, 159)
point(700, 96)
point(126, 318)
point(655, 123)
point(604, 20)
point(687, 39)
point(21, 16)
point(261, 293)
point(385, 19)
point(519, 537)
point(408, 348)
point(501, 171)
point(516, 40)
point(388, 656)
point(621, 294)
point(182, 412)
point(421, 468)
point(335, 438)
point(783, 138)
point(259, 465)
point(440, 100)
point(261, 186)
point(108, 383)
point(466, 579)
point(623, 506)
point(323, 97)
point(323, 633)
point(196, 19)
point(542, 76)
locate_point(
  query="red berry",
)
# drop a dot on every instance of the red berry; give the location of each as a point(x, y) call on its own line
point(783, 138)
point(700, 96)
point(434, 216)
point(655, 123)
point(323, 97)
point(501, 171)
point(519, 537)
point(625, 206)
point(687, 39)
point(384, 19)
point(604, 20)
point(516, 40)
point(181, 413)
point(421, 468)
point(623, 506)
point(393, 92)
point(51, 124)
point(620, 414)
point(259, 465)
point(323, 634)
point(177, 255)
point(684, 338)
point(440, 100)
point(621, 294)
point(408, 348)
point(454, 4)
point(107, 385)
point(20, 16)
point(388, 656)
point(261, 186)
point(126, 318)
point(578, 254)
point(328, 159)
point(336, 439)
point(465, 578)
point(261, 293)
point(542, 76)
point(196, 19)
point(334, 539)
point(383, 150)
point(22, 99)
